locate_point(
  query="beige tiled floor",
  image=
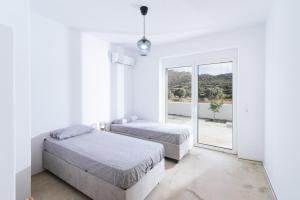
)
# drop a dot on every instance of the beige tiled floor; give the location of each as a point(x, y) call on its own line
point(201, 175)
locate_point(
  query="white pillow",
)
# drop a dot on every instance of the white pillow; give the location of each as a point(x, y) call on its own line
point(133, 118)
point(71, 131)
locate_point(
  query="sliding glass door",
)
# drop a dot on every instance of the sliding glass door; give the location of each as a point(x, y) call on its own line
point(215, 110)
point(202, 95)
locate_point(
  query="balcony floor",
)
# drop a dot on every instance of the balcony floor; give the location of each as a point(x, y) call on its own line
point(210, 133)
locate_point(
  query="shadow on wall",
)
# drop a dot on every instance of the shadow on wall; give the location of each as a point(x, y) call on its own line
point(6, 115)
point(75, 77)
point(37, 153)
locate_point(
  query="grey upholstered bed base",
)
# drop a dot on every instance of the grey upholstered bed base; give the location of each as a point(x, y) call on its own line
point(172, 151)
point(98, 189)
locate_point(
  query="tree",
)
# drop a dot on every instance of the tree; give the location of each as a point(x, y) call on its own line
point(188, 93)
point(216, 97)
point(180, 92)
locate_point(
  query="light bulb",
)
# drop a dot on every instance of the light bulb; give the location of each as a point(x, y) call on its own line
point(144, 46)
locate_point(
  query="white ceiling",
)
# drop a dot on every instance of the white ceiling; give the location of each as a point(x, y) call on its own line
point(120, 21)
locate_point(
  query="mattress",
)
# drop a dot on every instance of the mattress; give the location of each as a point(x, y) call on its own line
point(170, 133)
point(116, 159)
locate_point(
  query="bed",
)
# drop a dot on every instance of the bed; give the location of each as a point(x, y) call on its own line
point(106, 166)
point(176, 139)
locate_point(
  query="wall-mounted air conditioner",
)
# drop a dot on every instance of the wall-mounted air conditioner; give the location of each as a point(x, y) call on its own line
point(118, 58)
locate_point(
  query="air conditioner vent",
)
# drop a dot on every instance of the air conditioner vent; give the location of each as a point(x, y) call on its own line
point(121, 59)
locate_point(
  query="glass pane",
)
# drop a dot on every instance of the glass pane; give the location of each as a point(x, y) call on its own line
point(215, 105)
point(179, 95)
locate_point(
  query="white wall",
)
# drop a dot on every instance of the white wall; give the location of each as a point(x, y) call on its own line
point(72, 81)
point(95, 79)
point(51, 75)
point(15, 13)
point(282, 137)
point(185, 109)
point(121, 85)
point(55, 81)
point(7, 143)
point(251, 53)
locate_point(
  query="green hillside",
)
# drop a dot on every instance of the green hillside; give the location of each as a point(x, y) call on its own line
point(179, 84)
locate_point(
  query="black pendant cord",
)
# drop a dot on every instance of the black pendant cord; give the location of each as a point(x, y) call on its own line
point(144, 26)
point(144, 11)
point(143, 44)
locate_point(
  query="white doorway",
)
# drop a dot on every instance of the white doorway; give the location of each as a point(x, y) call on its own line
point(200, 90)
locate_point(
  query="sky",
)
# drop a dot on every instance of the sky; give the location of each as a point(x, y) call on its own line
point(211, 69)
point(215, 69)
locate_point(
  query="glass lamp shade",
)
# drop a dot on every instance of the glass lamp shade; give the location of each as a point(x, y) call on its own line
point(144, 46)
